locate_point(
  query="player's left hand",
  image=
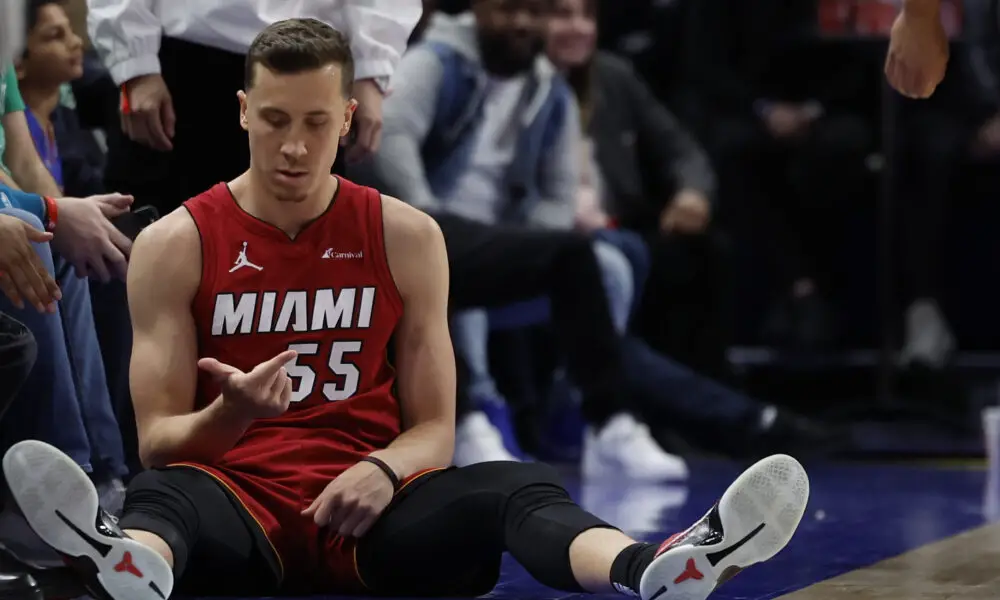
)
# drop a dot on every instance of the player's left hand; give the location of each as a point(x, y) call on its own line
point(352, 503)
point(367, 121)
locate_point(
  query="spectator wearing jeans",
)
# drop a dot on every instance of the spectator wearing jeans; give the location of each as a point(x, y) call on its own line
point(666, 392)
point(17, 356)
point(65, 399)
point(645, 173)
point(480, 130)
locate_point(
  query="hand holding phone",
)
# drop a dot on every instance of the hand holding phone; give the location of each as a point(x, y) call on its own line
point(132, 223)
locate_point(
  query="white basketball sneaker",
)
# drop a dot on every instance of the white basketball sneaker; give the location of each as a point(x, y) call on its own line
point(753, 521)
point(60, 503)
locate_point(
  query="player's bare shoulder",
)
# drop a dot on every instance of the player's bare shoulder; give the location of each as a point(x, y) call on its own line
point(167, 256)
point(414, 244)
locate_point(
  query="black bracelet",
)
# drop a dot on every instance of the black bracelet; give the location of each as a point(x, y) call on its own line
point(385, 469)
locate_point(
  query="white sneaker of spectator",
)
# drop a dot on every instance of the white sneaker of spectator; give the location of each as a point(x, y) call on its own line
point(625, 448)
point(477, 440)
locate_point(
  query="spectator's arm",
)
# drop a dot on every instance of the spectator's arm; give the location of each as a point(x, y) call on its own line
point(126, 34)
point(682, 162)
point(408, 114)
point(20, 156)
point(922, 6)
point(7, 181)
point(379, 30)
point(11, 197)
point(559, 178)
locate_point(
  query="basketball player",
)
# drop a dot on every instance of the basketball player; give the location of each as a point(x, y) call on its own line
point(918, 49)
point(297, 460)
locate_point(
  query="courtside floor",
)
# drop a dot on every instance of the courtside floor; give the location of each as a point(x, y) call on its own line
point(888, 532)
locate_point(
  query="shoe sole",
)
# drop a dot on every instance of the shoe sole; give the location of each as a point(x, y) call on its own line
point(60, 504)
point(759, 513)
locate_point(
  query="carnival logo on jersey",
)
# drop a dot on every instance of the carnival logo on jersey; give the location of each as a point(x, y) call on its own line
point(333, 254)
point(295, 310)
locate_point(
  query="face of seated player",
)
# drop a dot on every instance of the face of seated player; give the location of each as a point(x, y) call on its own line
point(295, 122)
point(510, 33)
point(572, 33)
point(53, 53)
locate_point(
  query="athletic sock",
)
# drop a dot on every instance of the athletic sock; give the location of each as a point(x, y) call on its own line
point(629, 565)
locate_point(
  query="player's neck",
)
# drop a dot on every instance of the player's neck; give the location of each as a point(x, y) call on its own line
point(289, 217)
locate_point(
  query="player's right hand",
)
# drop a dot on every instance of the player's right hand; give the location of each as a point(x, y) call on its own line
point(918, 53)
point(262, 393)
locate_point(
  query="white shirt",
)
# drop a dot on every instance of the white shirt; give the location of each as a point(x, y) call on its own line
point(127, 33)
point(480, 192)
point(11, 30)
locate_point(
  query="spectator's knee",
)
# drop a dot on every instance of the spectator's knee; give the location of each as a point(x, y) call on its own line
point(25, 216)
point(470, 330)
point(619, 284)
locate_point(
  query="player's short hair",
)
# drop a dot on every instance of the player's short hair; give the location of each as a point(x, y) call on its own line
point(297, 45)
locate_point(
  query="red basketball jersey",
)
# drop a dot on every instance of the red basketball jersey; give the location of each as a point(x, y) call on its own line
point(329, 295)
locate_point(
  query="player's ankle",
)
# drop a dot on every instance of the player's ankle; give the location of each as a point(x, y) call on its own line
point(630, 564)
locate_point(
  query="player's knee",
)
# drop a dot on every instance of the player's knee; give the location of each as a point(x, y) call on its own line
point(516, 476)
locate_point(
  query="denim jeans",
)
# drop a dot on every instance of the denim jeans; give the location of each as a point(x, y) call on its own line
point(18, 352)
point(65, 399)
point(470, 328)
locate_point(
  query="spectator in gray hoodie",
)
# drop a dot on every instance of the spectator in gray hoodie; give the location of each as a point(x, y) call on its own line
point(480, 131)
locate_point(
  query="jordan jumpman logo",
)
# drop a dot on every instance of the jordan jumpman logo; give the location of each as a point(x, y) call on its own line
point(242, 261)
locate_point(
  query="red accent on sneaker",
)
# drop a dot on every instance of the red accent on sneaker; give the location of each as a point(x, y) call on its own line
point(669, 542)
point(690, 572)
point(126, 566)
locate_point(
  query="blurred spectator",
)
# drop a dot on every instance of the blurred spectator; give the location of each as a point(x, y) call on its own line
point(644, 172)
point(781, 114)
point(88, 239)
point(480, 129)
point(17, 356)
point(430, 6)
point(65, 399)
point(180, 64)
point(52, 59)
point(18, 352)
point(939, 136)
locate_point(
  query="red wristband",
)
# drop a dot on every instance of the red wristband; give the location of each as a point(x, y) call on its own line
point(52, 210)
point(125, 107)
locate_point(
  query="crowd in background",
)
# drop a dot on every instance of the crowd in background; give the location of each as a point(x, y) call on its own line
point(626, 192)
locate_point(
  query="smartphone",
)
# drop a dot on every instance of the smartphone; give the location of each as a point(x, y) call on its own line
point(131, 223)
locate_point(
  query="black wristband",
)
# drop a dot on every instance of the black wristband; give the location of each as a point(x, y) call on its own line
point(385, 469)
